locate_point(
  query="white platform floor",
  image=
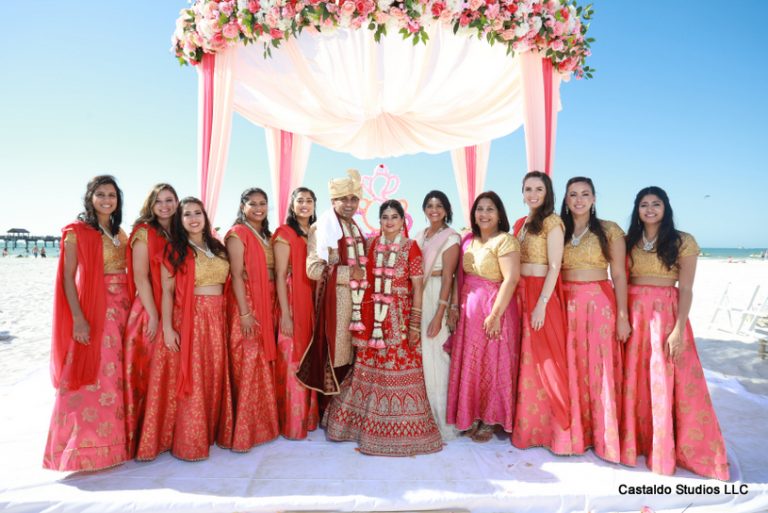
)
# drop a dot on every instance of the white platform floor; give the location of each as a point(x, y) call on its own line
point(316, 475)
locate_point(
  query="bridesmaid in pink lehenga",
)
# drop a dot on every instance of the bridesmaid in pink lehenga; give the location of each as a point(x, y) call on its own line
point(90, 309)
point(667, 414)
point(597, 324)
point(485, 348)
point(296, 404)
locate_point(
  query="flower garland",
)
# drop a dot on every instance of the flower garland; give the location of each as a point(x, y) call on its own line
point(355, 256)
point(384, 272)
point(555, 28)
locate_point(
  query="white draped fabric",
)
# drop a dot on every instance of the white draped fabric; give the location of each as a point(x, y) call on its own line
point(348, 93)
point(211, 170)
point(470, 182)
point(288, 155)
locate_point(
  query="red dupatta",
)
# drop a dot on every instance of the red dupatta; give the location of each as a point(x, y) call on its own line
point(155, 251)
point(184, 305)
point(548, 345)
point(258, 283)
point(302, 307)
point(91, 294)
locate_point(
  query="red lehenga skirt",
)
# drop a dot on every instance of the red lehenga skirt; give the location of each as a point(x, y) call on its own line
point(542, 407)
point(382, 403)
point(483, 372)
point(187, 424)
point(87, 429)
point(297, 407)
point(255, 405)
point(667, 414)
point(139, 351)
point(594, 371)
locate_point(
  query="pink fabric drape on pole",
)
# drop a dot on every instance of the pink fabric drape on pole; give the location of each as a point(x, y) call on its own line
point(288, 154)
point(214, 124)
point(470, 167)
point(541, 93)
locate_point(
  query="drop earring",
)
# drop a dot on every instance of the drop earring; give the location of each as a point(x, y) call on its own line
point(567, 210)
point(593, 209)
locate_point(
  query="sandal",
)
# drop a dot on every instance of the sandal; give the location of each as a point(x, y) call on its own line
point(484, 433)
point(472, 430)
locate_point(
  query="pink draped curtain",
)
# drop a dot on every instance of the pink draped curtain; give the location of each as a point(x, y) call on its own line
point(288, 154)
point(541, 101)
point(215, 99)
point(470, 167)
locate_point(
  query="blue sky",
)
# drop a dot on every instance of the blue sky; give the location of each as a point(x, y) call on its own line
point(92, 88)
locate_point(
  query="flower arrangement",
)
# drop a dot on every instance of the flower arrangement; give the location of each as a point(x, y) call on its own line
point(555, 28)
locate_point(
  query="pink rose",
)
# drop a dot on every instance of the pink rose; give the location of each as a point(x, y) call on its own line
point(475, 4)
point(253, 6)
point(378, 271)
point(289, 11)
point(557, 45)
point(464, 20)
point(348, 8)
point(354, 284)
point(536, 8)
point(275, 33)
point(381, 18)
point(397, 13)
point(331, 7)
point(413, 27)
point(565, 13)
point(492, 11)
point(349, 240)
point(227, 7)
point(363, 260)
point(437, 9)
point(508, 34)
point(231, 30)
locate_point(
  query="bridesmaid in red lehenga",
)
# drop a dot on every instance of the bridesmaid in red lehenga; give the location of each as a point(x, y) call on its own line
point(195, 326)
point(91, 304)
point(145, 355)
point(296, 405)
point(543, 406)
point(251, 304)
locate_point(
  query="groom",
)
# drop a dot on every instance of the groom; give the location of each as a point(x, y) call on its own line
point(336, 256)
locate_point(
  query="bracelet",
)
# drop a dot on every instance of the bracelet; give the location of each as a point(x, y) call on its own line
point(543, 298)
point(414, 329)
point(245, 315)
point(454, 306)
point(415, 309)
point(442, 302)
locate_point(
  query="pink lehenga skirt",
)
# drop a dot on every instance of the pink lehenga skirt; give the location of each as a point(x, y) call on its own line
point(139, 350)
point(594, 371)
point(253, 387)
point(667, 414)
point(88, 425)
point(483, 375)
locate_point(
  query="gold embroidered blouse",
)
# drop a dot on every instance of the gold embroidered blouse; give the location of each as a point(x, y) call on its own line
point(533, 248)
point(483, 259)
point(588, 254)
point(210, 271)
point(140, 235)
point(269, 254)
point(646, 264)
point(114, 256)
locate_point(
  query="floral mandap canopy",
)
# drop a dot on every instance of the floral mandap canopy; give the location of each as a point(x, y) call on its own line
point(380, 79)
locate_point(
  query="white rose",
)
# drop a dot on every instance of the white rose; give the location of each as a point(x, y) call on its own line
point(537, 24)
point(384, 4)
point(522, 29)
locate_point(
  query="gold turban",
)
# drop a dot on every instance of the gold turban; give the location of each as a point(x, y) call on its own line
point(351, 185)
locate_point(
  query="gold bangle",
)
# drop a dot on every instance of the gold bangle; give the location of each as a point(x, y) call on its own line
point(414, 329)
point(243, 316)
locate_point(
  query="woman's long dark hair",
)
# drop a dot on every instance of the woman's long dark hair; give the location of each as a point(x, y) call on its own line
point(178, 247)
point(503, 219)
point(147, 215)
point(291, 219)
point(88, 215)
point(536, 222)
point(595, 226)
point(668, 239)
point(442, 198)
point(241, 216)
